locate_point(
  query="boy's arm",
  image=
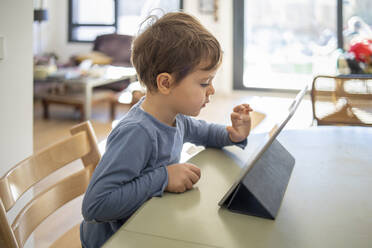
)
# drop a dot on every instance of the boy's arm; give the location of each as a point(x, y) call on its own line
point(214, 135)
point(199, 132)
point(119, 186)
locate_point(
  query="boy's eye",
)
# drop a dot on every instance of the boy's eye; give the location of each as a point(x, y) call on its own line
point(206, 82)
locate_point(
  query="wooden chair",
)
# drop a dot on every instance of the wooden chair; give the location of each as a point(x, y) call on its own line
point(82, 144)
point(342, 100)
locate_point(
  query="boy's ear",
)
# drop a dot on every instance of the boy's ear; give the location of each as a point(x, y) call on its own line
point(164, 82)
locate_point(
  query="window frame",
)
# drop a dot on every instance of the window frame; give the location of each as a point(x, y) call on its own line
point(238, 44)
point(72, 26)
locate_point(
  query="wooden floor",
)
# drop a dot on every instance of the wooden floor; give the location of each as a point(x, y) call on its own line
point(47, 132)
point(62, 118)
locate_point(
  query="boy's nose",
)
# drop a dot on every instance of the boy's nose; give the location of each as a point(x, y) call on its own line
point(210, 90)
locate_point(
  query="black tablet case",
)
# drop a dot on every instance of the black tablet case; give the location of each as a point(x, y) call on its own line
point(261, 191)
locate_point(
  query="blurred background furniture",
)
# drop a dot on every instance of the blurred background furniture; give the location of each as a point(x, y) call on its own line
point(102, 75)
point(342, 100)
point(116, 46)
point(78, 92)
point(82, 144)
point(77, 100)
point(130, 96)
point(113, 49)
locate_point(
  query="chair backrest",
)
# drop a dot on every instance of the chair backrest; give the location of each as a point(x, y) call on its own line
point(116, 46)
point(82, 144)
point(342, 100)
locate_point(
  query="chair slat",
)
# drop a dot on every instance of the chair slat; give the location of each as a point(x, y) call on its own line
point(350, 95)
point(342, 100)
point(68, 239)
point(49, 201)
point(28, 172)
point(7, 238)
point(94, 156)
point(82, 144)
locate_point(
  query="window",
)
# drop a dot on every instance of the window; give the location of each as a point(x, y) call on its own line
point(90, 18)
point(282, 44)
point(357, 19)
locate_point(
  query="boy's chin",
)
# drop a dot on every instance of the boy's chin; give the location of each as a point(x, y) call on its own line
point(197, 113)
point(194, 113)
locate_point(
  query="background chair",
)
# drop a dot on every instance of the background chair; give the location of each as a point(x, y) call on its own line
point(116, 46)
point(342, 100)
point(114, 49)
point(82, 144)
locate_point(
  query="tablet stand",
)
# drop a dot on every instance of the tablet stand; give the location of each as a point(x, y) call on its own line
point(261, 191)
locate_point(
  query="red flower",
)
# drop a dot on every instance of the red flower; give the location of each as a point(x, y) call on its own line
point(362, 50)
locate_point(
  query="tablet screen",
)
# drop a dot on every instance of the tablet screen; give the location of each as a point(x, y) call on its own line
point(269, 138)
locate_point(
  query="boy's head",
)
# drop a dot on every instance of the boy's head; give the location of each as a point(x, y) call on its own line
point(176, 44)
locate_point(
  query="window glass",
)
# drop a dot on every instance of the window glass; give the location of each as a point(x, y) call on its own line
point(286, 42)
point(90, 33)
point(90, 18)
point(357, 19)
point(94, 11)
point(133, 13)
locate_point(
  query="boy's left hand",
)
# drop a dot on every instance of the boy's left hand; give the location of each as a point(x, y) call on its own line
point(241, 123)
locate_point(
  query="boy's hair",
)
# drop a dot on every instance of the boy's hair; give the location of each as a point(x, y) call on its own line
point(176, 43)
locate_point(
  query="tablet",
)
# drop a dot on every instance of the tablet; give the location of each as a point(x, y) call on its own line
point(259, 188)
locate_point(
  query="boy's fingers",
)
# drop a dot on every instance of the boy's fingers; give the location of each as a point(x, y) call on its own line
point(247, 106)
point(181, 189)
point(194, 169)
point(238, 108)
point(193, 177)
point(231, 130)
point(188, 184)
point(235, 116)
point(242, 109)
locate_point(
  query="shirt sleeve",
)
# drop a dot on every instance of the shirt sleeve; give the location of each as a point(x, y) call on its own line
point(119, 184)
point(200, 132)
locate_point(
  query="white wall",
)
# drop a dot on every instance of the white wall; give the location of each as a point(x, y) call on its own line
point(16, 84)
point(223, 30)
point(55, 35)
point(55, 32)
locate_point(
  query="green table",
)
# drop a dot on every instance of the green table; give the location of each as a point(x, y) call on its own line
point(328, 201)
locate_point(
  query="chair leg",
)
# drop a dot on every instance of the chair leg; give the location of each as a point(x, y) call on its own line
point(82, 112)
point(112, 110)
point(45, 109)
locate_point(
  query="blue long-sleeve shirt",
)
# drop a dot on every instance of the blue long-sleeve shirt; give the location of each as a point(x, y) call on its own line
point(133, 168)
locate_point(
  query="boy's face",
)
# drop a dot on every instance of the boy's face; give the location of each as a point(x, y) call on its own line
point(192, 93)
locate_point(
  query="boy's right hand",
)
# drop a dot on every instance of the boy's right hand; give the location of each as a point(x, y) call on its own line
point(182, 177)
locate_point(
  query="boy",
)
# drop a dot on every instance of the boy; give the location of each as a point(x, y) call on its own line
point(176, 58)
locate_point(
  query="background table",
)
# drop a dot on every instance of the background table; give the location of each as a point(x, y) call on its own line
point(52, 90)
point(113, 74)
point(328, 201)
